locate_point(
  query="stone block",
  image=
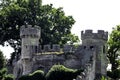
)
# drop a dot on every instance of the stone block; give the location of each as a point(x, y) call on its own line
point(56, 48)
point(67, 48)
point(47, 48)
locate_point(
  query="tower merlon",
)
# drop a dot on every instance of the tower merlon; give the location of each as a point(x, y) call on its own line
point(29, 31)
point(88, 34)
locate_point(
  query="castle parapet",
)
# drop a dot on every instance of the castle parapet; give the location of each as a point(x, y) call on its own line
point(54, 48)
point(50, 48)
point(47, 48)
point(30, 31)
point(88, 34)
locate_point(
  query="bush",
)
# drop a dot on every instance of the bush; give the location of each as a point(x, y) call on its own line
point(114, 74)
point(3, 72)
point(59, 72)
point(5, 76)
point(24, 77)
point(9, 77)
point(37, 75)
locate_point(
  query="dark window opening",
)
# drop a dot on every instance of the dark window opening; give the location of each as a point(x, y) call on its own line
point(36, 49)
point(91, 47)
point(103, 49)
point(84, 47)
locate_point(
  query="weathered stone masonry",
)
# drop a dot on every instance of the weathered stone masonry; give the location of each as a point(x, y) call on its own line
point(91, 55)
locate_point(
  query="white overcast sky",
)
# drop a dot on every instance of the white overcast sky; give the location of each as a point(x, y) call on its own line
point(88, 14)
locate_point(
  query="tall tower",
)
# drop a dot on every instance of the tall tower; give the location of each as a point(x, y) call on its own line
point(30, 40)
point(98, 41)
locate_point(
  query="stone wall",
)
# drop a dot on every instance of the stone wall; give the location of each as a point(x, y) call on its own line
point(46, 61)
point(90, 55)
point(55, 48)
point(89, 70)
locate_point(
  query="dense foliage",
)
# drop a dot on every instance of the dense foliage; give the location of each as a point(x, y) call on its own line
point(38, 75)
point(2, 60)
point(105, 78)
point(3, 69)
point(113, 52)
point(25, 77)
point(9, 77)
point(53, 22)
point(57, 72)
point(4, 75)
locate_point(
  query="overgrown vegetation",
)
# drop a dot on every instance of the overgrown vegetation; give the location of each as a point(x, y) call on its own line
point(3, 70)
point(105, 78)
point(114, 53)
point(2, 60)
point(37, 75)
point(60, 72)
point(57, 72)
point(4, 75)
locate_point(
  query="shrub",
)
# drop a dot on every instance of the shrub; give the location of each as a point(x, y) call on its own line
point(114, 74)
point(9, 77)
point(3, 72)
point(59, 72)
point(37, 75)
point(24, 77)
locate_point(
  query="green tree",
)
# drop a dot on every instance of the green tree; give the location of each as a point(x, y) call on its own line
point(54, 23)
point(113, 50)
point(3, 72)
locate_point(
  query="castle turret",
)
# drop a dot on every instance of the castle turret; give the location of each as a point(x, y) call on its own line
point(30, 40)
point(98, 41)
point(88, 37)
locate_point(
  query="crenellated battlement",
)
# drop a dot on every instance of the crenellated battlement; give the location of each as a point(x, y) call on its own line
point(56, 48)
point(53, 48)
point(88, 34)
point(30, 31)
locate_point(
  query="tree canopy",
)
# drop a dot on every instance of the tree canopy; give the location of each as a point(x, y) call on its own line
point(114, 50)
point(53, 22)
point(55, 25)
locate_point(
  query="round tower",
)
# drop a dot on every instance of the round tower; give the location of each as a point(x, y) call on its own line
point(30, 40)
point(98, 41)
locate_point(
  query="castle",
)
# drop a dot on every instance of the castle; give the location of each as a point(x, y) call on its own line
point(90, 55)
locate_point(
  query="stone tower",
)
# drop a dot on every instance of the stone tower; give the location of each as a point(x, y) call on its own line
point(98, 41)
point(30, 40)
